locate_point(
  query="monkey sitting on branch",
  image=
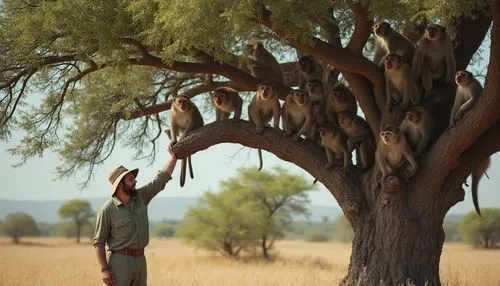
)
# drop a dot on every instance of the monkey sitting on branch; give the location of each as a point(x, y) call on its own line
point(298, 115)
point(434, 59)
point(335, 144)
point(184, 118)
point(388, 41)
point(418, 127)
point(401, 86)
point(264, 65)
point(264, 107)
point(394, 153)
point(309, 69)
point(226, 100)
point(340, 99)
point(359, 137)
point(468, 91)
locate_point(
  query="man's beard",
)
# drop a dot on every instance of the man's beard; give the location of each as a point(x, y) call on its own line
point(130, 191)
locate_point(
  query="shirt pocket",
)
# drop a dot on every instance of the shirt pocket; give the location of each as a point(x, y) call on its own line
point(123, 228)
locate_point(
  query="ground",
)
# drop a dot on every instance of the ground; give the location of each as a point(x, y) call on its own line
point(56, 261)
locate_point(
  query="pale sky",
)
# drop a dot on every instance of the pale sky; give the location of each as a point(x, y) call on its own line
point(35, 180)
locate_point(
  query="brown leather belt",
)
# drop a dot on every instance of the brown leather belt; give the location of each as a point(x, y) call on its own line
point(130, 251)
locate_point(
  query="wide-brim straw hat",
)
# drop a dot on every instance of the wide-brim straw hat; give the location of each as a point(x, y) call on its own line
point(116, 176)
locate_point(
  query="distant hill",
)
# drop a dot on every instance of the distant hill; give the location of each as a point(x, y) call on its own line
point(160, 208)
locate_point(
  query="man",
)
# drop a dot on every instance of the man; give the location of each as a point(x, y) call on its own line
point(122, 223)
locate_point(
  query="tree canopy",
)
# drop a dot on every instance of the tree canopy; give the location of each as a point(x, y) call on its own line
point(251, 210)
point(17, 225)
point(79, 211)
point(483, 231)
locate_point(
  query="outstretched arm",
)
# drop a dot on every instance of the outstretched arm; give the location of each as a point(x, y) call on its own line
point(150, 190)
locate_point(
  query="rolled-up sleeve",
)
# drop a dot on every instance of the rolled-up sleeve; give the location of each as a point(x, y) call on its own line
point(102, 228)
point(150, 190)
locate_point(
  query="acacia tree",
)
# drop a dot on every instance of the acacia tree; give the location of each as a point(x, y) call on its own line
point(79, 211)
point(110, 68)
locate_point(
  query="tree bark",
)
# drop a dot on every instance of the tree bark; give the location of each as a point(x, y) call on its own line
point(392, 246)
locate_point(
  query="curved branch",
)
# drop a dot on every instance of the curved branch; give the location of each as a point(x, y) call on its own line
point(470, 34)
point(483, 148)
point(362, 28)
point(312, 159)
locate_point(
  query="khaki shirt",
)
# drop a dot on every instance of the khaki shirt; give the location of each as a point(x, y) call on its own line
point(127, 226)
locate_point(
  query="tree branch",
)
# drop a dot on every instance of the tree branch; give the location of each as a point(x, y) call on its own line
point(344, 187)
point(470, 34)
point(362, 28)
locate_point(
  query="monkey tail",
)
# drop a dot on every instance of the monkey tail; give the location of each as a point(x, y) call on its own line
point(191, 174)
point(474, 187)
point(183, 172)
point(260, 159)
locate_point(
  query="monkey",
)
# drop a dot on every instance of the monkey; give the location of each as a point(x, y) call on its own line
point(335, 144)
point(341, 99)
point(225, 101)
point(434, 58)
point(418, 127)
point(468, 91)
point(265, 67)
point(388, 41)
point(359, 136)
point(184, 118)
point(297, 115)
point(331, 78)
point(476, 175)
point(392, 153)
point(264, 107)
point(316, 92)
point(400, 83)
point(309, 69)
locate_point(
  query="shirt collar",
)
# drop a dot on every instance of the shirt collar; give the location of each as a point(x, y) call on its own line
point(117, 202)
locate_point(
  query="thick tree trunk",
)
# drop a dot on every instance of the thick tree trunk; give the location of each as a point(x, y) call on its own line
point(394, 246)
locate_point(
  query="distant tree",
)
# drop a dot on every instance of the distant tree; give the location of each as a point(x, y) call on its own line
point(482, 230)
point(79, 211)
point(164, 231)
point(17, 225)
point(279, 195)
point(69, 229)
point(226, 222)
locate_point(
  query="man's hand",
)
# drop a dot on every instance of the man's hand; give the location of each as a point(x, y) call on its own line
point(171, 151)
point(107, 277)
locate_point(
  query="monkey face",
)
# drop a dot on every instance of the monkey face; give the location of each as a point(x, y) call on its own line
point(338, 96)
point(392, 61)
point(434, 32)
point(381, 28)
point(345, 119)
point(413, 115)
point(462, 77)
point(219, 98)
point(182, 103)
point(387, 137)
point(252, 46)
point(300, 98)
point(314, 87)
point(265, 91)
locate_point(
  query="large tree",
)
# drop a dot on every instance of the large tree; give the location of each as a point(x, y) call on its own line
point(110, 68)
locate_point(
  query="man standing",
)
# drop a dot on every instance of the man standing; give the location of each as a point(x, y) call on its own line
point(122, 223)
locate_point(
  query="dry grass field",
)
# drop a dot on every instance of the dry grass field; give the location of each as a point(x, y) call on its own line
point(61, 262)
